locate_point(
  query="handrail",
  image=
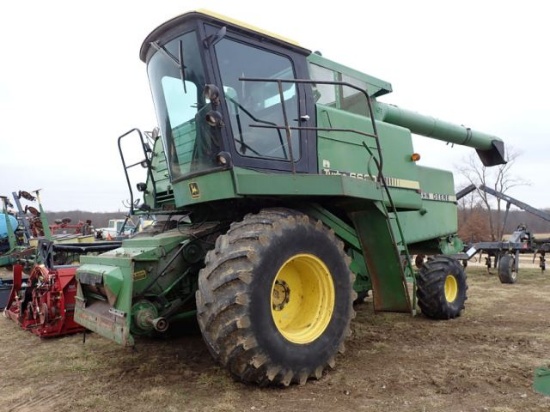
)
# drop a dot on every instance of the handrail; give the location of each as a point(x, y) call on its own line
point(287, 127)
point(147, 160)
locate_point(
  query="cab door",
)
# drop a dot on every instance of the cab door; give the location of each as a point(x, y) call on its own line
point(264, 105)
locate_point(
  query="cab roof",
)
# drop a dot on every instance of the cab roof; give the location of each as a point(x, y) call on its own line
point(169, 27)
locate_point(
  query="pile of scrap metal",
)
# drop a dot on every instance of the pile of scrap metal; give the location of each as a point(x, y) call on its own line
point(21, 229)
point(44, 301)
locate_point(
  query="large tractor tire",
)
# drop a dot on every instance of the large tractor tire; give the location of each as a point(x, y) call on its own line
point(275, 299)
point(507, 269)
point(441, 288)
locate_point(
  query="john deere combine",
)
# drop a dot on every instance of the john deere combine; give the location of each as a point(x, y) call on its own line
point(282, 189)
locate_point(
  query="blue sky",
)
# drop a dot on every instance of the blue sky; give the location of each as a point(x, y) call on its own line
point(71, 80)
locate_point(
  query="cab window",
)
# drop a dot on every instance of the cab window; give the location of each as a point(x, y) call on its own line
point(255, 107)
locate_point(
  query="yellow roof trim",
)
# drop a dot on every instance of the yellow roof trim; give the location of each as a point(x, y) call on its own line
point(246, 26)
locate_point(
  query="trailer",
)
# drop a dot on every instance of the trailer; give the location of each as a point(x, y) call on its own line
point(506, 252)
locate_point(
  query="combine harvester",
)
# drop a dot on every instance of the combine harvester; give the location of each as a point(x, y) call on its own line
point(283, 189)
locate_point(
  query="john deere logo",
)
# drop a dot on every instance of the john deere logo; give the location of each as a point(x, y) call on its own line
point(194, 189)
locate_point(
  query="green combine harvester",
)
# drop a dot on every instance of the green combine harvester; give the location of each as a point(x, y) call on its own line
point(283, 190)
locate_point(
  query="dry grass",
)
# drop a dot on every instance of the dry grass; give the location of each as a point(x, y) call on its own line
point(482, 361)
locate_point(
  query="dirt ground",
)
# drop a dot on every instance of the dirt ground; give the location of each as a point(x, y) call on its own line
point(481, 361)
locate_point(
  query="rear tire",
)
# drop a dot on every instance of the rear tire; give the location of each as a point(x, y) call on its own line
point(507, 269)
point(275, 299)
point(441, 288)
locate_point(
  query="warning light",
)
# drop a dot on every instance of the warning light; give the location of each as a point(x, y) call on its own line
point(415, 157)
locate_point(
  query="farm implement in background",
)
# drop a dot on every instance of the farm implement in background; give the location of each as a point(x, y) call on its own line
point(506, 252)
point(14, 242)
point(24, 225)
point(22, 228)
point(43, 302)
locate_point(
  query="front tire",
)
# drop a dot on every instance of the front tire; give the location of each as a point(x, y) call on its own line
point(441, 288)
point(275, 299)
point(507, 269)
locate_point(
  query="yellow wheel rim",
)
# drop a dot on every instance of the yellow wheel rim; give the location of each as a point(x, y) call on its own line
point(451, 288)
point(302, 298)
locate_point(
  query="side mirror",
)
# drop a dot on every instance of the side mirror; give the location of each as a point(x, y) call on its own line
point(155, 133)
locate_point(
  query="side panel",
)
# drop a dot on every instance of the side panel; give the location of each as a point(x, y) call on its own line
point(383, 260)
point(110, 284)
point(438, 215)
point(163, 189)
point(344, 153)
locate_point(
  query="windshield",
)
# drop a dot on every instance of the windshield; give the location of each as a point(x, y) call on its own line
point(190, 145)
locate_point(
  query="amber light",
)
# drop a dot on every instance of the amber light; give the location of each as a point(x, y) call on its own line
point(415, 157)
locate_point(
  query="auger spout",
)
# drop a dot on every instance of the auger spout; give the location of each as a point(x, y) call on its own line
point(489, 148)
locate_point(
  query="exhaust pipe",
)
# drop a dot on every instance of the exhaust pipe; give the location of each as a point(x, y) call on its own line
point(160, 324)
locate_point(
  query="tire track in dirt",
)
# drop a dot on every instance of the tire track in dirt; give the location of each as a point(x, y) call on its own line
point(45, 399)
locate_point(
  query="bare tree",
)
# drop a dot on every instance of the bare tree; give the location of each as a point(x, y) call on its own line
point(473, 225)
point(498, 178)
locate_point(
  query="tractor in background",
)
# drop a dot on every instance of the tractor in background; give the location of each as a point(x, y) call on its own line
point(282, 188)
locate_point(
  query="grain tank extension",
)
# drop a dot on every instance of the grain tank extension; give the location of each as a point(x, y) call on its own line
point(283, 190)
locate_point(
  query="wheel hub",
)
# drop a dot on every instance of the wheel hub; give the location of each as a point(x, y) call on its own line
point(302, 298)
point(280, 296)
point(451, 288)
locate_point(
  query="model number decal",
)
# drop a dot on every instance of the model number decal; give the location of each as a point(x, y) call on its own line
point(390, 181)
point(439, 197)
point(362, 176)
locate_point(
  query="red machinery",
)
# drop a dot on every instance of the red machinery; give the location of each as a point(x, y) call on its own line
point(46, 305)
point(44, 302)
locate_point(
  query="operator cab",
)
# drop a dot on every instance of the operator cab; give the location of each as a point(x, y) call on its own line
point(221, 97)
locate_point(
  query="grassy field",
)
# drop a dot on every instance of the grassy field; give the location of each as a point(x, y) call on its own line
point(481, 361)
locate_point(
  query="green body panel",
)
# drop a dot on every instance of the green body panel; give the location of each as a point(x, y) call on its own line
point(205, 188)
point(108, 318)
point(541, 383)
point(162, 196)
point(380, 249)
point(437, 215)
point(122, 274)
point(375, 86)
point(344, 153)
point(250, 183)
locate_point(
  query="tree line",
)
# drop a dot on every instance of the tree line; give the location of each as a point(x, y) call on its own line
point(473, 223)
